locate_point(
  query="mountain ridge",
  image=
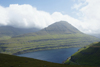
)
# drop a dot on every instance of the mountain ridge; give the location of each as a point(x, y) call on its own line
point(9, 31)
point(44, 40)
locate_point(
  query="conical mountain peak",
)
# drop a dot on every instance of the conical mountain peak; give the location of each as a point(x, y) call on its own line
point(61, 27)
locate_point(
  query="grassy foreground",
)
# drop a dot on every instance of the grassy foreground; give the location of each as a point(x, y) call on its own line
point(15, 61)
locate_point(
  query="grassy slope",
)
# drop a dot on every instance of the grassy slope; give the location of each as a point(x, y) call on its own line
point(15, 61)
point(34, 42)
point(89, 55)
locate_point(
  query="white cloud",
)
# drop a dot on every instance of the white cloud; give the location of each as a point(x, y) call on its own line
point(77, 6)
point(27, 16)
point(57, 16)
point(90, 14)
point(3, 16)
point(24, 16)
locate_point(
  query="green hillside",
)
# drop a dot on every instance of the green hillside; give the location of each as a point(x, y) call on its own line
point(15, 61)
point(89, 55)
point(56, 36)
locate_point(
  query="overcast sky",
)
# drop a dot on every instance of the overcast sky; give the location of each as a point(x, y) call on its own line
point(83, 14)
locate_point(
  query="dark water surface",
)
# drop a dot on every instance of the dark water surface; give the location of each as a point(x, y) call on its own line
point(55, 55)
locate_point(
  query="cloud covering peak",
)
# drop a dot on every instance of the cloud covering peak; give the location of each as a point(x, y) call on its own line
point(26, 16)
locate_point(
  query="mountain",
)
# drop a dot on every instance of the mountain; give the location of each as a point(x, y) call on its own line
point(88, 55)
point(61, 27)
point(9, 31)
point(56, 36)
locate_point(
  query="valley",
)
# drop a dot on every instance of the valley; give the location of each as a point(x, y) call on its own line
point(56, 36)
point(59, 35)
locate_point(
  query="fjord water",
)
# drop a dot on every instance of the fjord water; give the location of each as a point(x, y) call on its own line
point(55, 55)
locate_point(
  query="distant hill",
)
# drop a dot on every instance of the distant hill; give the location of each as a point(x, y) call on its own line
point(56, 36)
point(88, 55)
point(9, 31)
point(96, 35)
